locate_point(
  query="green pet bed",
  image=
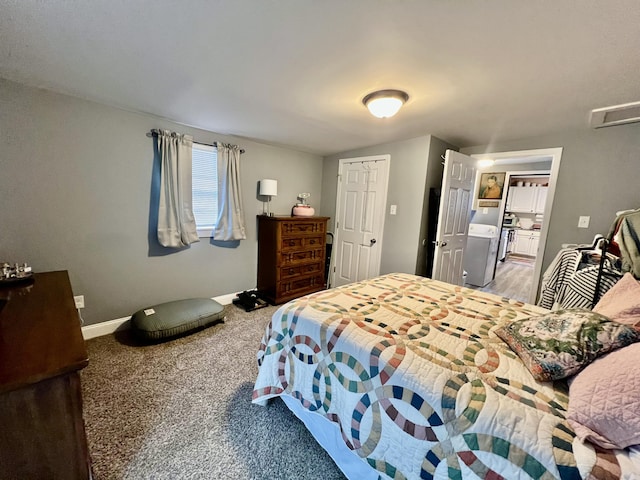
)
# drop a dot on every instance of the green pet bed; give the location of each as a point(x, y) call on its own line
point(175, 318)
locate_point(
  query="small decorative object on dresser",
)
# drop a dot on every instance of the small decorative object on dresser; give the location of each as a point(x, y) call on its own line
point(291, 256)
point(303, 209)
point(10, 275)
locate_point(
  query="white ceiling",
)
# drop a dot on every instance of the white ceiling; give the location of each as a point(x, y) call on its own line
point(293, 72)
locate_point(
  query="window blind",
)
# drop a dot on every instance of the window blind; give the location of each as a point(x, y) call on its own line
point(205, 185)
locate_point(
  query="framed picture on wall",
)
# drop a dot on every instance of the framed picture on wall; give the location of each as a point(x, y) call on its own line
point(491, 186)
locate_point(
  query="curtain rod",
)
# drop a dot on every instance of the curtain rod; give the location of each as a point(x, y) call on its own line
point(154, 133)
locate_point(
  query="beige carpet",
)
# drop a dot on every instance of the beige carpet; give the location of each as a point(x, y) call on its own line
point(182, 409)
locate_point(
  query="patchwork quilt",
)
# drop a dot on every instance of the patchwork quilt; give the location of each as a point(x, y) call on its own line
point(421, 387)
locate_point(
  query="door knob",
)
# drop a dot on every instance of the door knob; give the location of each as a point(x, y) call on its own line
point(372, 241)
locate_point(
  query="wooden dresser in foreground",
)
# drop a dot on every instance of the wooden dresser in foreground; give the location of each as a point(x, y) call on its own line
point(291, 256)
point(41, 352)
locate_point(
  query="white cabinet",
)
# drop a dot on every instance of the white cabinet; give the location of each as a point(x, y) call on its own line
point(541, 199)
point(526, 243)
point(523, 199)
point(526, 199)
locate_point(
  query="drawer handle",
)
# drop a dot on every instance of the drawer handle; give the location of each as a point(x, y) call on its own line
point(291, 271)
point(313, 242)
point(292, 243)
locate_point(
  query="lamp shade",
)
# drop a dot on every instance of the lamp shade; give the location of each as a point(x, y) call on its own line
point(385, 103)
point(269, 187)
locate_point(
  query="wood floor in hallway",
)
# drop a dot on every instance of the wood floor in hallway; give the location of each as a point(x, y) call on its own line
point(513, 279)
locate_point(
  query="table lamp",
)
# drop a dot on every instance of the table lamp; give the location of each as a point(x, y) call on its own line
point(269, 188)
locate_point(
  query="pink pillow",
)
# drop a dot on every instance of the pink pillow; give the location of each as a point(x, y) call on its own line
point(622, 302)
point(604, 400)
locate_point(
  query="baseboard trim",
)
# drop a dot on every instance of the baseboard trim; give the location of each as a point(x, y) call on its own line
point(112, 326)
point(226, 299)
point(105, 328)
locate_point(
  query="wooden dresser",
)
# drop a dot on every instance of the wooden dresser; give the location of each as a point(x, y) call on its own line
point(291, 256)
point(41, 352)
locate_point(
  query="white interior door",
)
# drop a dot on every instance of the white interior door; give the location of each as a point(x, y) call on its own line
point(454, 215)
point(360, 212)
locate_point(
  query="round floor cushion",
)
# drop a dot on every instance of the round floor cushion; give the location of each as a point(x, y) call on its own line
point(175, 318)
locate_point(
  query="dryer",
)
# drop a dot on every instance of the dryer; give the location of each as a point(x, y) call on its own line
point(480, 254)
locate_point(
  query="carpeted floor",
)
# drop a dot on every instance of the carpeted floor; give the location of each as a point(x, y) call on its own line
point(182, 409)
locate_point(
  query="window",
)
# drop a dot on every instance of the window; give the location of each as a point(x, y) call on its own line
point(205, 188)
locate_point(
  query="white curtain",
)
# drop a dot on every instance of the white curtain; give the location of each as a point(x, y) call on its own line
point(230, 224)
point(176, 223)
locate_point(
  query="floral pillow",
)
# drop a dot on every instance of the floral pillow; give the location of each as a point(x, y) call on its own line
point(559, 344)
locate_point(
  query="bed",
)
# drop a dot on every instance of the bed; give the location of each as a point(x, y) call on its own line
point(404, 377)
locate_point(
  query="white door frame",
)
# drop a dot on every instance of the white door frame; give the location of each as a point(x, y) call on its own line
point(379, 239)
point(556, 156)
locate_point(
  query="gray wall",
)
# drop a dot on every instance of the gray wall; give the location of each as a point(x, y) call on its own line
point(598, 176)
point(75, 182)
point(409, 160)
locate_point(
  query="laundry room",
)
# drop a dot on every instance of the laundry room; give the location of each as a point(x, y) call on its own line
point(505, 227)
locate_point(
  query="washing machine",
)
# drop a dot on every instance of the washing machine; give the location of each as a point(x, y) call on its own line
point(480, 255)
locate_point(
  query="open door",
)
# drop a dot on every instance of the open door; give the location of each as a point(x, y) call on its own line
point(454, 214)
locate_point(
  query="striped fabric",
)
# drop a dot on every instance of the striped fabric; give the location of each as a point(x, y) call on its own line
point(569, 284)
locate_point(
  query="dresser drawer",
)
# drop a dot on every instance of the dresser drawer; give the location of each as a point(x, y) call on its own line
point(290, 272)
point(300, 243)
point(303, 228)
point(300, 286)
point(296, 258)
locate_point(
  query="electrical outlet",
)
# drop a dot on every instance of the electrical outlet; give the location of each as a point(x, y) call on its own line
point(79, 299)
point(393, 210)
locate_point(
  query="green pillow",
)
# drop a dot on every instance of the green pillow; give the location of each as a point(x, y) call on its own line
point(174, 318)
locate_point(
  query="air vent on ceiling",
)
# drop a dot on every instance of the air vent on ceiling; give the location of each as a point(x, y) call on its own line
point(616, 115)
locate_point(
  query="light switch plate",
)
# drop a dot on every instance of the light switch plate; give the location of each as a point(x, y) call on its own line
point(583, 222)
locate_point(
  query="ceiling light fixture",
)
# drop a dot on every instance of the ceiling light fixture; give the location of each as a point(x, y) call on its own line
point(385, 103)
point(487, 162)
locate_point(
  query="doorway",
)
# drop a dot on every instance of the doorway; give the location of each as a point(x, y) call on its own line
point(503, 160)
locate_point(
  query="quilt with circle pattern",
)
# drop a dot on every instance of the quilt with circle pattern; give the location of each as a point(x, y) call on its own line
point(421, 387)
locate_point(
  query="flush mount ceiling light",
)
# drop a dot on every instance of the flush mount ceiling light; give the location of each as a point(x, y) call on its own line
point(385, 103)
point(487, 162)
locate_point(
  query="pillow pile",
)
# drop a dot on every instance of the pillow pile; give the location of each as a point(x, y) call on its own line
point(604, 398)
point(604, 394)
point(561, 343)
